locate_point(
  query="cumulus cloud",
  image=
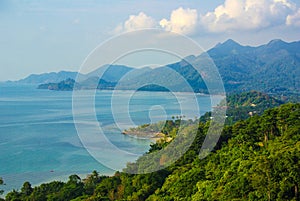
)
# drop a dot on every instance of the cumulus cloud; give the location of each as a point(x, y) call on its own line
point(294, 19)
point(183, 21)
point(247, 14)
point(231, 16)
point(136, 22)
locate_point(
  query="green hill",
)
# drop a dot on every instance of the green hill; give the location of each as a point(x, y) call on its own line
point(255, 159)
point(273, 68)
point(246, 104)
point(241, 106)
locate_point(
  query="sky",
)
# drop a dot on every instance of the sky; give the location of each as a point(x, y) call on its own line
point(53, 35)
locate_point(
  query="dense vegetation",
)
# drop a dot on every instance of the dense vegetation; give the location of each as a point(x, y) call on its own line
point(255, 159)
point(243, 105)
point(271, 68)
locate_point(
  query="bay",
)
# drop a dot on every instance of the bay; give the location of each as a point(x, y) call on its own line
point(39, 141)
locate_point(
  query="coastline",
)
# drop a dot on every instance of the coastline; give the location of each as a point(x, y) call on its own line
point(155, 136)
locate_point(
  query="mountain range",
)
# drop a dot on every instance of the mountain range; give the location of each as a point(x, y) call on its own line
point(48, 77)
point(270, 68)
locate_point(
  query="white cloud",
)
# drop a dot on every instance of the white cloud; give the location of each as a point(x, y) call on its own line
point(294, 19)
point(231, 16)
point(136, 22)
point(183, 21)
point(247, 14)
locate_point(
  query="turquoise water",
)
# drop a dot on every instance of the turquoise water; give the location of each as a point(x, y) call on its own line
point(39, 142)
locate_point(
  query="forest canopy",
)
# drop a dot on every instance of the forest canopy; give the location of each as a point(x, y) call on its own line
point(257, 158)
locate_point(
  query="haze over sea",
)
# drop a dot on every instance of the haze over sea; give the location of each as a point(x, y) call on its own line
point(39, 142)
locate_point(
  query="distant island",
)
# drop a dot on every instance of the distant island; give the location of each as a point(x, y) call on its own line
point(65, 85)
point(69, 85)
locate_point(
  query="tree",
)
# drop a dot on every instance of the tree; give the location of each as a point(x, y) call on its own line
point(70, 190)
point(74, 179)
point(241, 167)
point(13, 196)
point(26, 189)
point(1, 183)
point(90, 182)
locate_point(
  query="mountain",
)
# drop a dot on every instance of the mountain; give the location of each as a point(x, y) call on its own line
point(228, 47)
point(48, 77)
point(110, 73)
point(70, 84)
point(270, 68)
point(174, 77)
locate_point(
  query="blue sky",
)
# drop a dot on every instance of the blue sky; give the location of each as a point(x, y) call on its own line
point(53, 35)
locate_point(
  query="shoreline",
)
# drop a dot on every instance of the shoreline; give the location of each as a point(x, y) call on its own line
point(155, 136)
point(13, 181)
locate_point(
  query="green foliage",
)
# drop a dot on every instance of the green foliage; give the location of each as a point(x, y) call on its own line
point(26, 190)
point(168, 128)
point(72, 189)
point(1, 183)
point(241, 106)
point(255, 159)
point(44, 191)
point(14, 196)
point(252, 167)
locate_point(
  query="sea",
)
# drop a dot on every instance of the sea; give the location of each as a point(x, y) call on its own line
point(39, 139)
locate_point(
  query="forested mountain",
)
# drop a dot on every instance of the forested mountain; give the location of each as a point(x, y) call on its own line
point(271, 68)
point(274, 67)
point(255, 159)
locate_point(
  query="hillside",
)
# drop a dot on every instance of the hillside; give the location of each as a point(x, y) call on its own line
point(247, 104)
point(256, 159)
point(65, 85)
point(48, 77)
point(271, 68)
point(70, 84)
point(241, 106)
point(111, 73)
point(274, 67)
